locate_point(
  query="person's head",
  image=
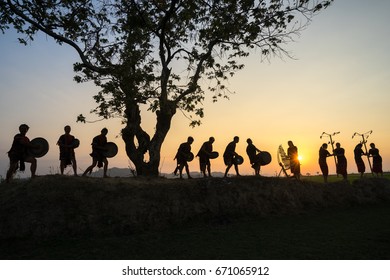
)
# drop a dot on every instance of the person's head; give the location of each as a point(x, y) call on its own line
point(338, 145)
point(324, 146)
point(104, 131)
point(249, 141)
point(23, 128)
point(211, 139)
point(372, 145)
point(67, 129)
point(290, 143)
point(190, 140)
point(236, 139)
point(360, 145)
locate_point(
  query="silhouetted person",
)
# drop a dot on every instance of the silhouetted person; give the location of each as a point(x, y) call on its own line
point(295, 165)
point(98, 149)
point(323, 154)
point(67, 154)
point(229, 156)
point(18, 154)
point(204, 156)
point(182, 156)
point(252, 151)
point(358, 153)
point(341, 167)
point(376, 160)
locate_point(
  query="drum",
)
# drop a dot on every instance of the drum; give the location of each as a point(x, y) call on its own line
point(214, 155)
point(264, 158)
point(238, 159)
point(111, 150)
point(41, 147)
point(190, 157)
point(75, 143)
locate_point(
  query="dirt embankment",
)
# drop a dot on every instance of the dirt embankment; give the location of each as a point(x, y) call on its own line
point(65, 206)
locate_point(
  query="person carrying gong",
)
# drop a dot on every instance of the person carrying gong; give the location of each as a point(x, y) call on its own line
point(184, 155)
point(98, 153)
point(229, 156)
point(295, 165)
point(251, 151)
point(18, 154)
point(204, 156)
point(67, 143)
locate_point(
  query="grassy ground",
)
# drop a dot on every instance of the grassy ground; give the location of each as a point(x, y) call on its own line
point(361, 232)
point(335, 178)
point(239, 218)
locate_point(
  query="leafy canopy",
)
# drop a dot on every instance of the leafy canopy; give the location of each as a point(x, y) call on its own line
point(160, 52)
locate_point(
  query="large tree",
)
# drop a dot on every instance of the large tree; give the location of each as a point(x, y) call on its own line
point(166, 54)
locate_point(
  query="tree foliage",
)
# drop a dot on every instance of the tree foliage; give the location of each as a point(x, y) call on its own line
point(166, 54)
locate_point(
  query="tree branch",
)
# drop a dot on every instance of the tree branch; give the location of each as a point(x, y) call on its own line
point(194, 80)
point(58, 37)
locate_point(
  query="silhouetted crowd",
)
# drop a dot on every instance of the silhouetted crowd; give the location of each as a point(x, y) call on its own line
point(23, 150)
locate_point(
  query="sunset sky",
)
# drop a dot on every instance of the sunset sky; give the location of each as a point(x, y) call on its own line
point(338, 81)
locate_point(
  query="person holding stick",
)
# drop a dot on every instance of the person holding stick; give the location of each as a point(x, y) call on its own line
point(358, 153)
point(376, 160)
point(295, 165)
point(341, 167)
point(323, 154)
point(361, 145)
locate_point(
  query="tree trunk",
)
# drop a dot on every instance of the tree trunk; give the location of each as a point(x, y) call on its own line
point(133, 133)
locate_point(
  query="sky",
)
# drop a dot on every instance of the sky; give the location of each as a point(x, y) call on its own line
point(338, 81)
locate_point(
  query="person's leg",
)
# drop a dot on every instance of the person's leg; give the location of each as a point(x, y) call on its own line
point(257, 170)
point(188, 171)
point(227, 170)
point(62, 166)
point(91, 167)
point(74, 165)
point(181, 166)
point(236, 168)
point(176, 169)
point(33, 167)
point(325, 174)
point(202, 168)
point(105, 167)
point(209, 169)
point(11, 171)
